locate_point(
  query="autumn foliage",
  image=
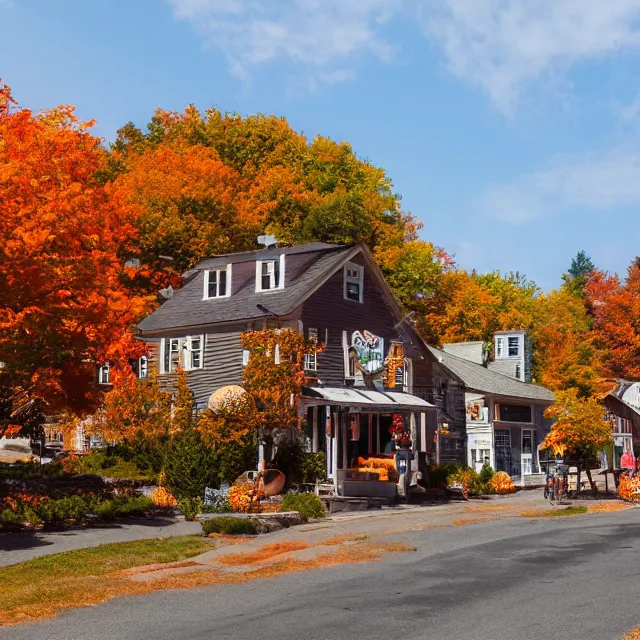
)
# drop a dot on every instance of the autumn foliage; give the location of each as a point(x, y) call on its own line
point(579, 430)
point(194, 184)
point(65, 304)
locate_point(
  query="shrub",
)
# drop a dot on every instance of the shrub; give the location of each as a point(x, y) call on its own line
point(469, 479)
point(486, 473)
point(314, 467)
point(439, 475)
point(230, 526)
point(190, 465)
point(11, 519)
point(190, 508)
point(234, 458)
point(289, 459)
point(308, 505)
point(73, 509)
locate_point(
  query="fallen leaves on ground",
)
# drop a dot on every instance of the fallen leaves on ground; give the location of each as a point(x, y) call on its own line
point(265, 553)
point(634, 634)
point(45, 587)
point(461, 522)
point(554, 513)
point(609, 507)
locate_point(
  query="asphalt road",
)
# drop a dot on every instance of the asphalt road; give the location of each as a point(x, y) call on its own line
point(562, 579)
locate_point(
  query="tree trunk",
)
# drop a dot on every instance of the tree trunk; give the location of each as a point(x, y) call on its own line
point(578, 478)
point(594, 487)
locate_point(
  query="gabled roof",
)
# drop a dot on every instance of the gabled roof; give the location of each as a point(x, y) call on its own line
point(478, 378)
point(307, 267)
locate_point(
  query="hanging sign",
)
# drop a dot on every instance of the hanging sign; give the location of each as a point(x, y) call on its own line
point(369, 349)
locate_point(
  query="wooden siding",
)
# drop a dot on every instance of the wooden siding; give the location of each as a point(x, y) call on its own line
point(328, 312)
point(222, 363)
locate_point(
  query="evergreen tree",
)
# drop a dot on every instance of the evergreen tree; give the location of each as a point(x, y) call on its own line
point(577, 277)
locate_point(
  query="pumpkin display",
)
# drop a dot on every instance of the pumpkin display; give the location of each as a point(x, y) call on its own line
point(629, 488)
point(162, 497)
point(502, 483)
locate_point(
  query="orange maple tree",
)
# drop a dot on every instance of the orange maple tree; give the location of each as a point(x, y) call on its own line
point(615, 308)
point(579, 430)
point(565, 354)
point(63, 240)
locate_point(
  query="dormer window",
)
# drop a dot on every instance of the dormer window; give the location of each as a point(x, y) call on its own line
point(217, 283)
point(270, 274)
point(353, 282)
point(514, 347)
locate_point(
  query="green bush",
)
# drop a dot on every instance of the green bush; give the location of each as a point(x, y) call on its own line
point(486, 473)
point(11, 519)
point(439, 474)
point(190, 508)
point(75, 510)
point(230, 526)
point(470, 478)
point(234, 458)
point(108, 465)
point(308, 505)
point(190, 466)
point(314, 467)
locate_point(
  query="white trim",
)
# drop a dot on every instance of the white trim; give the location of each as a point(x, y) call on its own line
point(345, 351)
point(245, 357)
point(350, 266)
point(185, 350)
point(227, 293)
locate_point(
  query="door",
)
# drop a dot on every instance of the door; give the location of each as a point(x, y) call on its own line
point(527, 452)
point(478, 458)
point(502, 439)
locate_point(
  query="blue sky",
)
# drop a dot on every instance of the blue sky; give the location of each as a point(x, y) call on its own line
point(509, 127)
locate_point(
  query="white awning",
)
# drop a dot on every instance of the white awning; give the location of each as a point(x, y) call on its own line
point(364, 398)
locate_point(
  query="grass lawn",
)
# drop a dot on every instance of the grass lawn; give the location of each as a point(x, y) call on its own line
point(42, 587)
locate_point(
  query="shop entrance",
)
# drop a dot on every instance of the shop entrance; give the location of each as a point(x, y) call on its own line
point(503, 450)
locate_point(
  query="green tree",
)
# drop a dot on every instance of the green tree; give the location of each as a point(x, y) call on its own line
point(190, 465)
point(577, 276)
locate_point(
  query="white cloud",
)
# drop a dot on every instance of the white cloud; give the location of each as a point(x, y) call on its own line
point(592, 183)
point(323, 37)
point(506, 45)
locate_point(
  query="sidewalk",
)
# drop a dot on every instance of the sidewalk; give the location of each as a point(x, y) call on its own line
point(17, 547)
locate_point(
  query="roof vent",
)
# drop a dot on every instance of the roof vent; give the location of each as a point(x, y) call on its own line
point(268, 242)
point(166, 293)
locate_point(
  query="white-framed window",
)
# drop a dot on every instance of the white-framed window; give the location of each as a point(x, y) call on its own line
point(143, 367)
point(270, 274)
point(217, 283)
point(311, 359)
point(499, 347)
point(188, 352)
point(353, 282)
point(518, 371)
point(193, 352)
point(104, 374)
point(514, 347)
